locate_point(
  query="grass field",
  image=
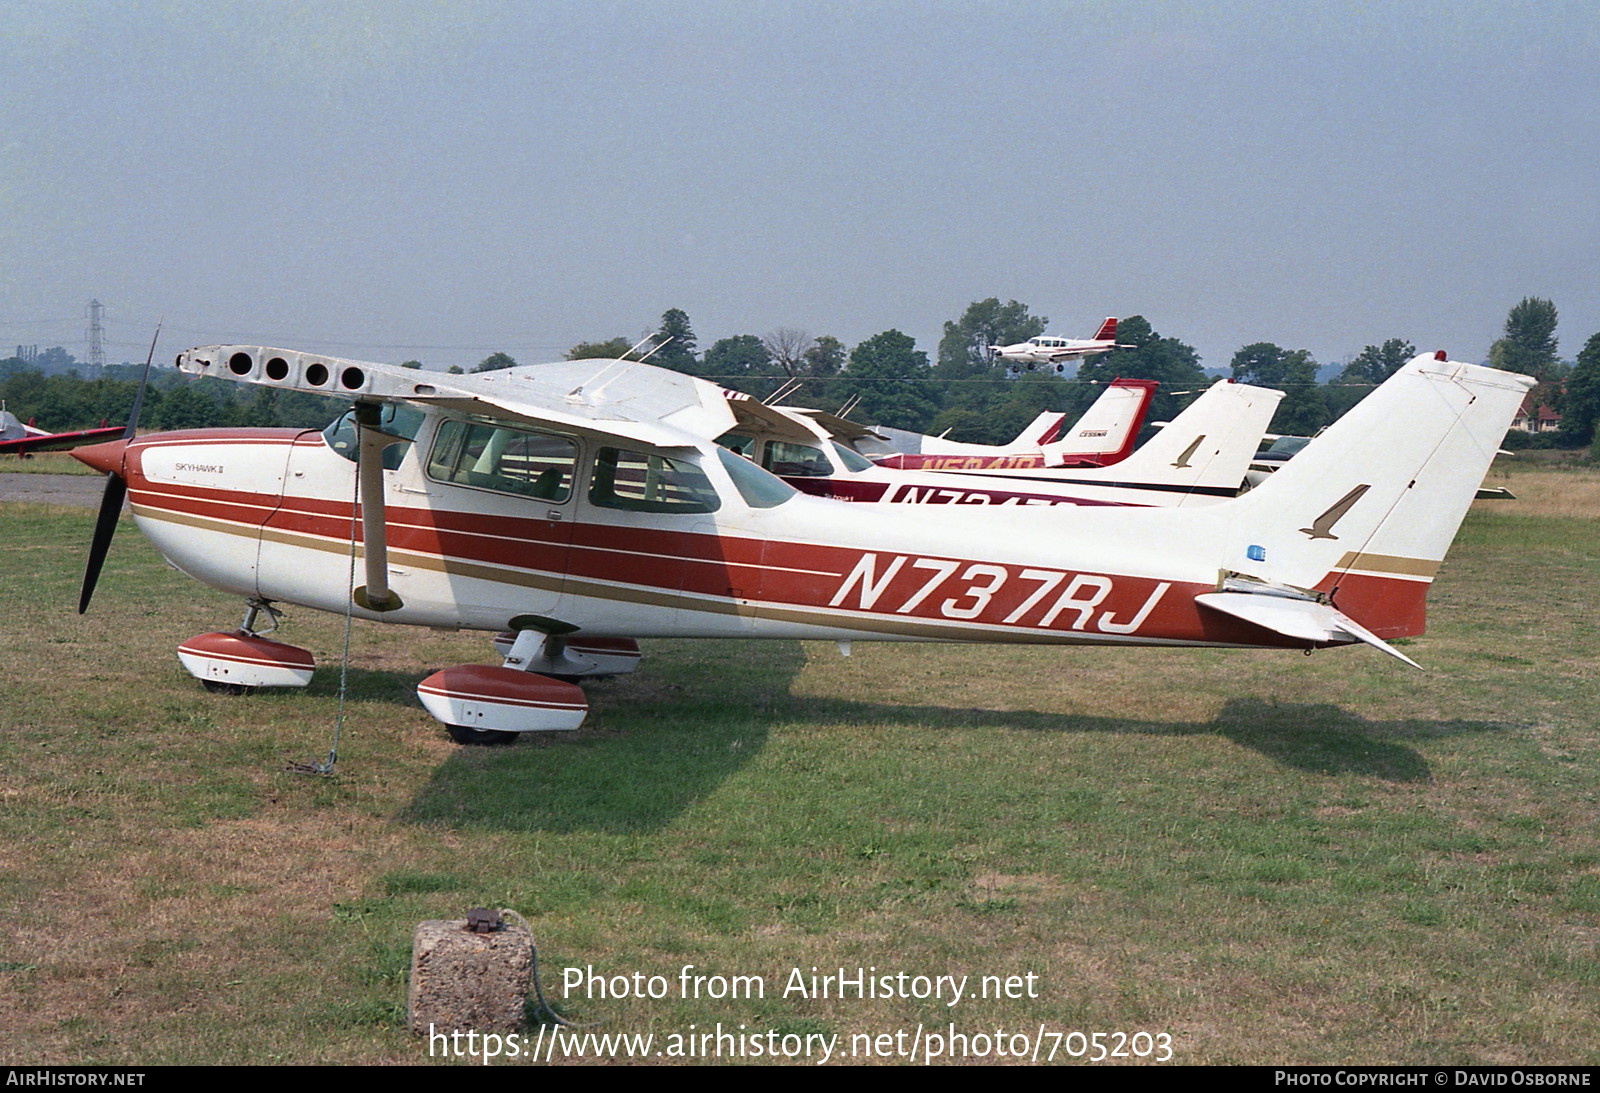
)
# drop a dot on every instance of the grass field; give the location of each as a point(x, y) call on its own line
point(1272, 858)
point(45, 463)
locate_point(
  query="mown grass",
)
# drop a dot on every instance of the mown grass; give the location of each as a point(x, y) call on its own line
point(1273, 858)
point(44, 463)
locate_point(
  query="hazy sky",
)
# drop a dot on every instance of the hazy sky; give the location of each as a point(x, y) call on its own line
point(443, 179)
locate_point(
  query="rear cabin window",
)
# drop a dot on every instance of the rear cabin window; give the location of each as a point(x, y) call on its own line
point(493, 457)
point(638, 482)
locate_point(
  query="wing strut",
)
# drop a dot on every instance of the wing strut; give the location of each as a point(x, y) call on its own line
point(375, 595)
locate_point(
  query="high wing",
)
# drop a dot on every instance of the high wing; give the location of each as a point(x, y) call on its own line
point(641, 405)
point(845, 431)
point(626, 400)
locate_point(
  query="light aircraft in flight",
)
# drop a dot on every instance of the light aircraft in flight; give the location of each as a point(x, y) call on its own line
point(590, 502)
point(1199, 458)
point(1049, 349)
point(22, 438)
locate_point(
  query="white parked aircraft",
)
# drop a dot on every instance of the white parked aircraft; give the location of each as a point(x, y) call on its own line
point(1105, 433)
point(879, 441)
point(590, 503)
point(1199, 458)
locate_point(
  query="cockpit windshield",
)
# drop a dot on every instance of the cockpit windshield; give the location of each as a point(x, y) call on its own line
point(759, 489)
point(852, 460)
point(396, 420)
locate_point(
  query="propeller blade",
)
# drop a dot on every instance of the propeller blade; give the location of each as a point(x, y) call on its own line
point(144, 381)
point(105, 526)
point(116, 491)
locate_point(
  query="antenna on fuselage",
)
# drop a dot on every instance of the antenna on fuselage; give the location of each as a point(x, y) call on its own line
point(640, 342)
point(788, 387)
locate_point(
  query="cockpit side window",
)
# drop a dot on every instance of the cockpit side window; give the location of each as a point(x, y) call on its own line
point(739, 442)
point(493, 457)
point(640, 482)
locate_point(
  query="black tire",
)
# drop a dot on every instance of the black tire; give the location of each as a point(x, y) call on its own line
point(461, 734)
point(218, 687)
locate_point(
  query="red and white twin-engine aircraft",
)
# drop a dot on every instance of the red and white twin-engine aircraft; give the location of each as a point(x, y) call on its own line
point(586, 504)
point(1047, 349)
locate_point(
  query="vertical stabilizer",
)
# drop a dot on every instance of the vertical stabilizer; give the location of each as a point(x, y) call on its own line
point(1366, 511)
point(1208, 446)
point(1108, 428)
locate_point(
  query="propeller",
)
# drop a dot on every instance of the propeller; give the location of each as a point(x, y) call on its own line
point(105, 525)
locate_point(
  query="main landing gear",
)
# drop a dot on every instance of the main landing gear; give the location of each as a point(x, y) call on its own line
point(531, 691)
point(239, 661)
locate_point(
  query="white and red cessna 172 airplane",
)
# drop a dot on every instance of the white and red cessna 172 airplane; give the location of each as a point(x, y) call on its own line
point(1049, 349)
point(586, 504)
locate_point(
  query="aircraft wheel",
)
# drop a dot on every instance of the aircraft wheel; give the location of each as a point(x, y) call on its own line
point(462, 734)
point(218, 687)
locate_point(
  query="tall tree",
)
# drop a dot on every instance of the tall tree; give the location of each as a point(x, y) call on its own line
point(1173, 364)
point(964, 348)
point(1376, 363)
point(1294, 372)
point(1529, 344)
point(678, 353)
point(891, 375)
point(1361, 376)
point(736, 361)
point(616, 348)
point(1580, 406)
point(787, 348)
point(496, 361)
point(825, 357)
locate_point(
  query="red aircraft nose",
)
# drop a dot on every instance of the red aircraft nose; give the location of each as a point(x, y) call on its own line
point(103, 457)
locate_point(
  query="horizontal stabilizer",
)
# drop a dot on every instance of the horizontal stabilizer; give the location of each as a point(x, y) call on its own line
point(1293, 617)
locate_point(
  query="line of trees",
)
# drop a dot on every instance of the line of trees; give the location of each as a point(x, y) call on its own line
point(963, 390)
point(63, 401)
